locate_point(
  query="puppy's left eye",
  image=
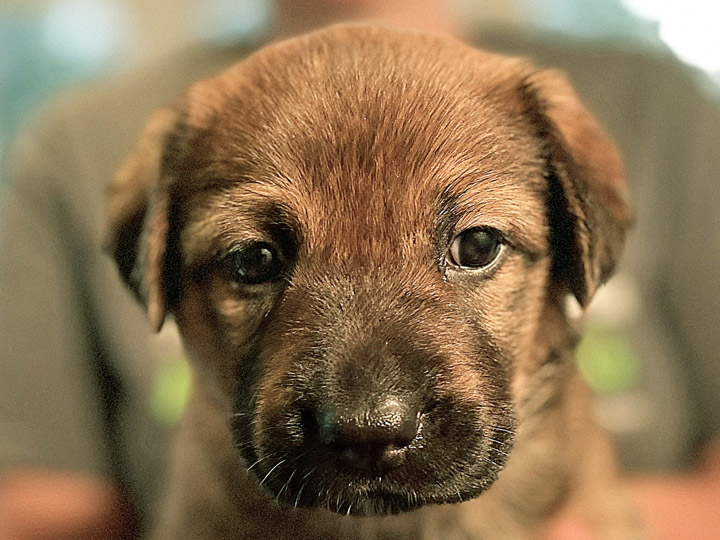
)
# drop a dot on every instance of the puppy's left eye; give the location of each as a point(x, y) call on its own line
point(478, 247)
point(254, 263)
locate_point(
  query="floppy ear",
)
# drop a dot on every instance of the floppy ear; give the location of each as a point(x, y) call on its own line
point(140, 202)
point(138, 208)
point(588, 205)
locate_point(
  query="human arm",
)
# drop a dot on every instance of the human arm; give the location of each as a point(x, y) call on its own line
point(55, 476)
point(45, 504)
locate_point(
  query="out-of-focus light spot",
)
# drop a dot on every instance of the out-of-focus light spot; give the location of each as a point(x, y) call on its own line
point(170, 390)
point(697, 41)
point(88, 32)
point(691, 28)
point(608, 361)
point(604, 19)
point(648, 9)
point(232, 20)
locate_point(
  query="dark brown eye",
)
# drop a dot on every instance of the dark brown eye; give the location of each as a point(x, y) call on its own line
point(254, 263)
point(478, 247)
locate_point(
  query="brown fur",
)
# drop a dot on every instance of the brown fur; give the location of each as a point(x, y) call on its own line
point(360, 154)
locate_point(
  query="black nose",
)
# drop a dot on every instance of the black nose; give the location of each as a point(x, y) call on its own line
point(373, 439)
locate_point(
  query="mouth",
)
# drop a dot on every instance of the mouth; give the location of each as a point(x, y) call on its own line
point(439, 467)
point(350, 497)
point(355, 495)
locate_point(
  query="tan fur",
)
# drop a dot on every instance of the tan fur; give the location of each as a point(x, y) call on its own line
point(359, 154)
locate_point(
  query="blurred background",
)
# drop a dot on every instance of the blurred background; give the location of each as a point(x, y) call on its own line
point(48, 45)
point(656, 315)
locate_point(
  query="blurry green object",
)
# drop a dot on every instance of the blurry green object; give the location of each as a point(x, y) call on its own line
point(607, 360)
point(170, 391)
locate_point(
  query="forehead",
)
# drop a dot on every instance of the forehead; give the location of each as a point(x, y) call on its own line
point(374, 141)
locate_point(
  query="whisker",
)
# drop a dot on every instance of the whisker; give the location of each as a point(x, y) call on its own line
point(504, 443)
point(271, 471)
point(497, 449)
point(490, 461)
point(258, 461)
point(338, 501)
point(297, 498)
point(285, 486)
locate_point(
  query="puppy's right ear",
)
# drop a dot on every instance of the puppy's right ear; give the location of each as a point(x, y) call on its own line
point(137, 222)
point(138, 231)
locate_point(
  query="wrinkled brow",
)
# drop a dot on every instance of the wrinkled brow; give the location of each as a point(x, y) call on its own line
point(517, 209)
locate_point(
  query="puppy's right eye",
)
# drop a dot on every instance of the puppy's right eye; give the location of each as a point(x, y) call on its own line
point(475, 248)
point(254, 263)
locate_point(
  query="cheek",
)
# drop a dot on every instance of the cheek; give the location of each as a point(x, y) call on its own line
point(512, 305)
point(510, 308)
point(217, 328)
point(237, 316)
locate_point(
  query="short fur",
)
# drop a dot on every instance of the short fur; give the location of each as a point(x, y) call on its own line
point(359, 154)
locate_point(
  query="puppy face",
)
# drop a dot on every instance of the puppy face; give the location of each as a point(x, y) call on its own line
point(365, 237)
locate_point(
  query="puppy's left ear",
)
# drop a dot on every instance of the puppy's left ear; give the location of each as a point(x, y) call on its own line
point(588, 204)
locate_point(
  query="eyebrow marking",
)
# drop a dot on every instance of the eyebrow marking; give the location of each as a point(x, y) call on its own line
point(468, 208)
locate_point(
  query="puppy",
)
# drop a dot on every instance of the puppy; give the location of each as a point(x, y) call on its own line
point(367, 239)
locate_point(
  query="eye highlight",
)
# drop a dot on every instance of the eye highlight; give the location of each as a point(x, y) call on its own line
point(475, 248)
point(254, 263)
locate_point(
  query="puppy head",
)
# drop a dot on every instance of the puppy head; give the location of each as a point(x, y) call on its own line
point(365, 237)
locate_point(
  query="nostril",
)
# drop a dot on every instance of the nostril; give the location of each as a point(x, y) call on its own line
point(310, 422)
point(373, 438)
point(407, 431)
